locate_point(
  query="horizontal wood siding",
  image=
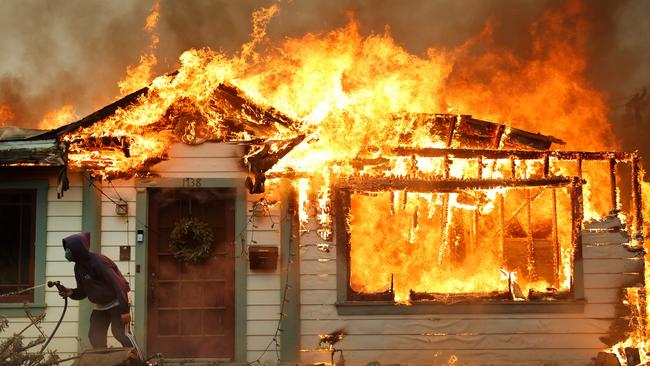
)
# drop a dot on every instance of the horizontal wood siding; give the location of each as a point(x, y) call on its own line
point(63, 219)
point(117, 231)
point(469, 339)
point(264, 292)
point(206, 161)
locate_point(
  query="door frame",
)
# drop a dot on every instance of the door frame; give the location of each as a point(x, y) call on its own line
point(141, 250)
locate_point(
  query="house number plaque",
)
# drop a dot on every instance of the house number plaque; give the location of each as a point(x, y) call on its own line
point(191, 182)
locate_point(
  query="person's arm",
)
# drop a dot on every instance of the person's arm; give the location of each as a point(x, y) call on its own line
point(75, 293)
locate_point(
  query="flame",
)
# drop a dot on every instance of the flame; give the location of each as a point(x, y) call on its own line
point(637, 301)
point(357, 97)
point(140, 75)
point(261, 19)
point(344, 89)
point(6, 114)
point(436, 259)
point(638, 337)
point(302, 187)
point(58, 117)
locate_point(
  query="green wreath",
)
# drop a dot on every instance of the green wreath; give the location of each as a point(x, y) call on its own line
point(191, 240)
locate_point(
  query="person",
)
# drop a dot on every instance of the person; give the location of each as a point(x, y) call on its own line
point(98, 279)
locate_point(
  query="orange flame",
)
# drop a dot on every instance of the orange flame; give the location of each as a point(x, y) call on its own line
point(140, 75)
point(355, 96)
point(344, 89)
point(6, 114)
point(58, 117)
point(261, 19)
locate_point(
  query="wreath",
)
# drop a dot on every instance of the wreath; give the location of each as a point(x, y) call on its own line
point(191, 240)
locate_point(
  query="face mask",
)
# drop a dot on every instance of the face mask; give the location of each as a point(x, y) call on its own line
point(68, 255)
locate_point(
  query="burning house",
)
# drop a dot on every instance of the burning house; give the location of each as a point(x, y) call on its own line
point(301, 207)
point(462, 239)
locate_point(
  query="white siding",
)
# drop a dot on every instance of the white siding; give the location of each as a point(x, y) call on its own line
point(264, 288)
point(65, 216)
point(535, 338)
point(63, 219)
point(204, 161)
point(118, 230)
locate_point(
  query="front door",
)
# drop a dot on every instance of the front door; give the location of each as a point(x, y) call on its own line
point(191, 307)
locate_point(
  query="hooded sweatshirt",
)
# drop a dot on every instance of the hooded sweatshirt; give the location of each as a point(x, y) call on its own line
point(98, 277)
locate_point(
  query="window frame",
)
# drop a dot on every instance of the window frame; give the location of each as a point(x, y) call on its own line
point(24, 297)
point(350, 303)
point(37, 305)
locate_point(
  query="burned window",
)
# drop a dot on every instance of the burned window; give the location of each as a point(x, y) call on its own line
point(17, 227)
point(508, 244)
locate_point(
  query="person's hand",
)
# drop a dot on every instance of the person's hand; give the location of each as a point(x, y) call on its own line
point(65, 292)
point(126, 318)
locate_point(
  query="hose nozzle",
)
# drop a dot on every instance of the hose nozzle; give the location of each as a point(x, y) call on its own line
point(55, 283)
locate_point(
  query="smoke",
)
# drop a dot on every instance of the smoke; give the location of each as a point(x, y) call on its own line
point(65, 52)
point(75, 51)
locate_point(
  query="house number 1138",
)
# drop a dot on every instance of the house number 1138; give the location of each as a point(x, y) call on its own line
point(191, 182)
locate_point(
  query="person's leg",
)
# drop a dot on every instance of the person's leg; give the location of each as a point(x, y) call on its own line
point(99, 321)
point(117, 327)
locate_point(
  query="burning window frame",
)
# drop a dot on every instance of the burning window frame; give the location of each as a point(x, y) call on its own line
point(345, 187)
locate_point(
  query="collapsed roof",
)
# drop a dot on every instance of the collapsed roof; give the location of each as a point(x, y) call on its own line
point(240, 117)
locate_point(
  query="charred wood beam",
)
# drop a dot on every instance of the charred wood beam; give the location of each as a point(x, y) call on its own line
point(361, 183)
point(577, 216)
point(267, 155)
point(89, 120)
point(502, 225)
point(497, 137)
point(636, 193)
point(100, 142)
point(468, 297)
point(444, 231)
point(463, 130)
point(446, 167)
point(265, 116)
point(557, 255)
point(579, 167)
point(546, 165)
point(264, 158)
point(452, 129)
point(612, 183)
point(102, 167)
point(532, 271)
point(515, 137)
point(506, 154)
point(475, 218)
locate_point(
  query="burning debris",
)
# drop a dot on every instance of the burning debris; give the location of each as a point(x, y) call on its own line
point(424, 207)
point(460, 190)
point(328, 341)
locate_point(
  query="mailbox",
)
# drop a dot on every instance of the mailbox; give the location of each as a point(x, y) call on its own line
point(262, 258)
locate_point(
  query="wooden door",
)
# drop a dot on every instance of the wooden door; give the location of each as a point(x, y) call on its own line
point(191, 307)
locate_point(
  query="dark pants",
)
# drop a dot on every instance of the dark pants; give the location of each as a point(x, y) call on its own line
point(99, 321)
